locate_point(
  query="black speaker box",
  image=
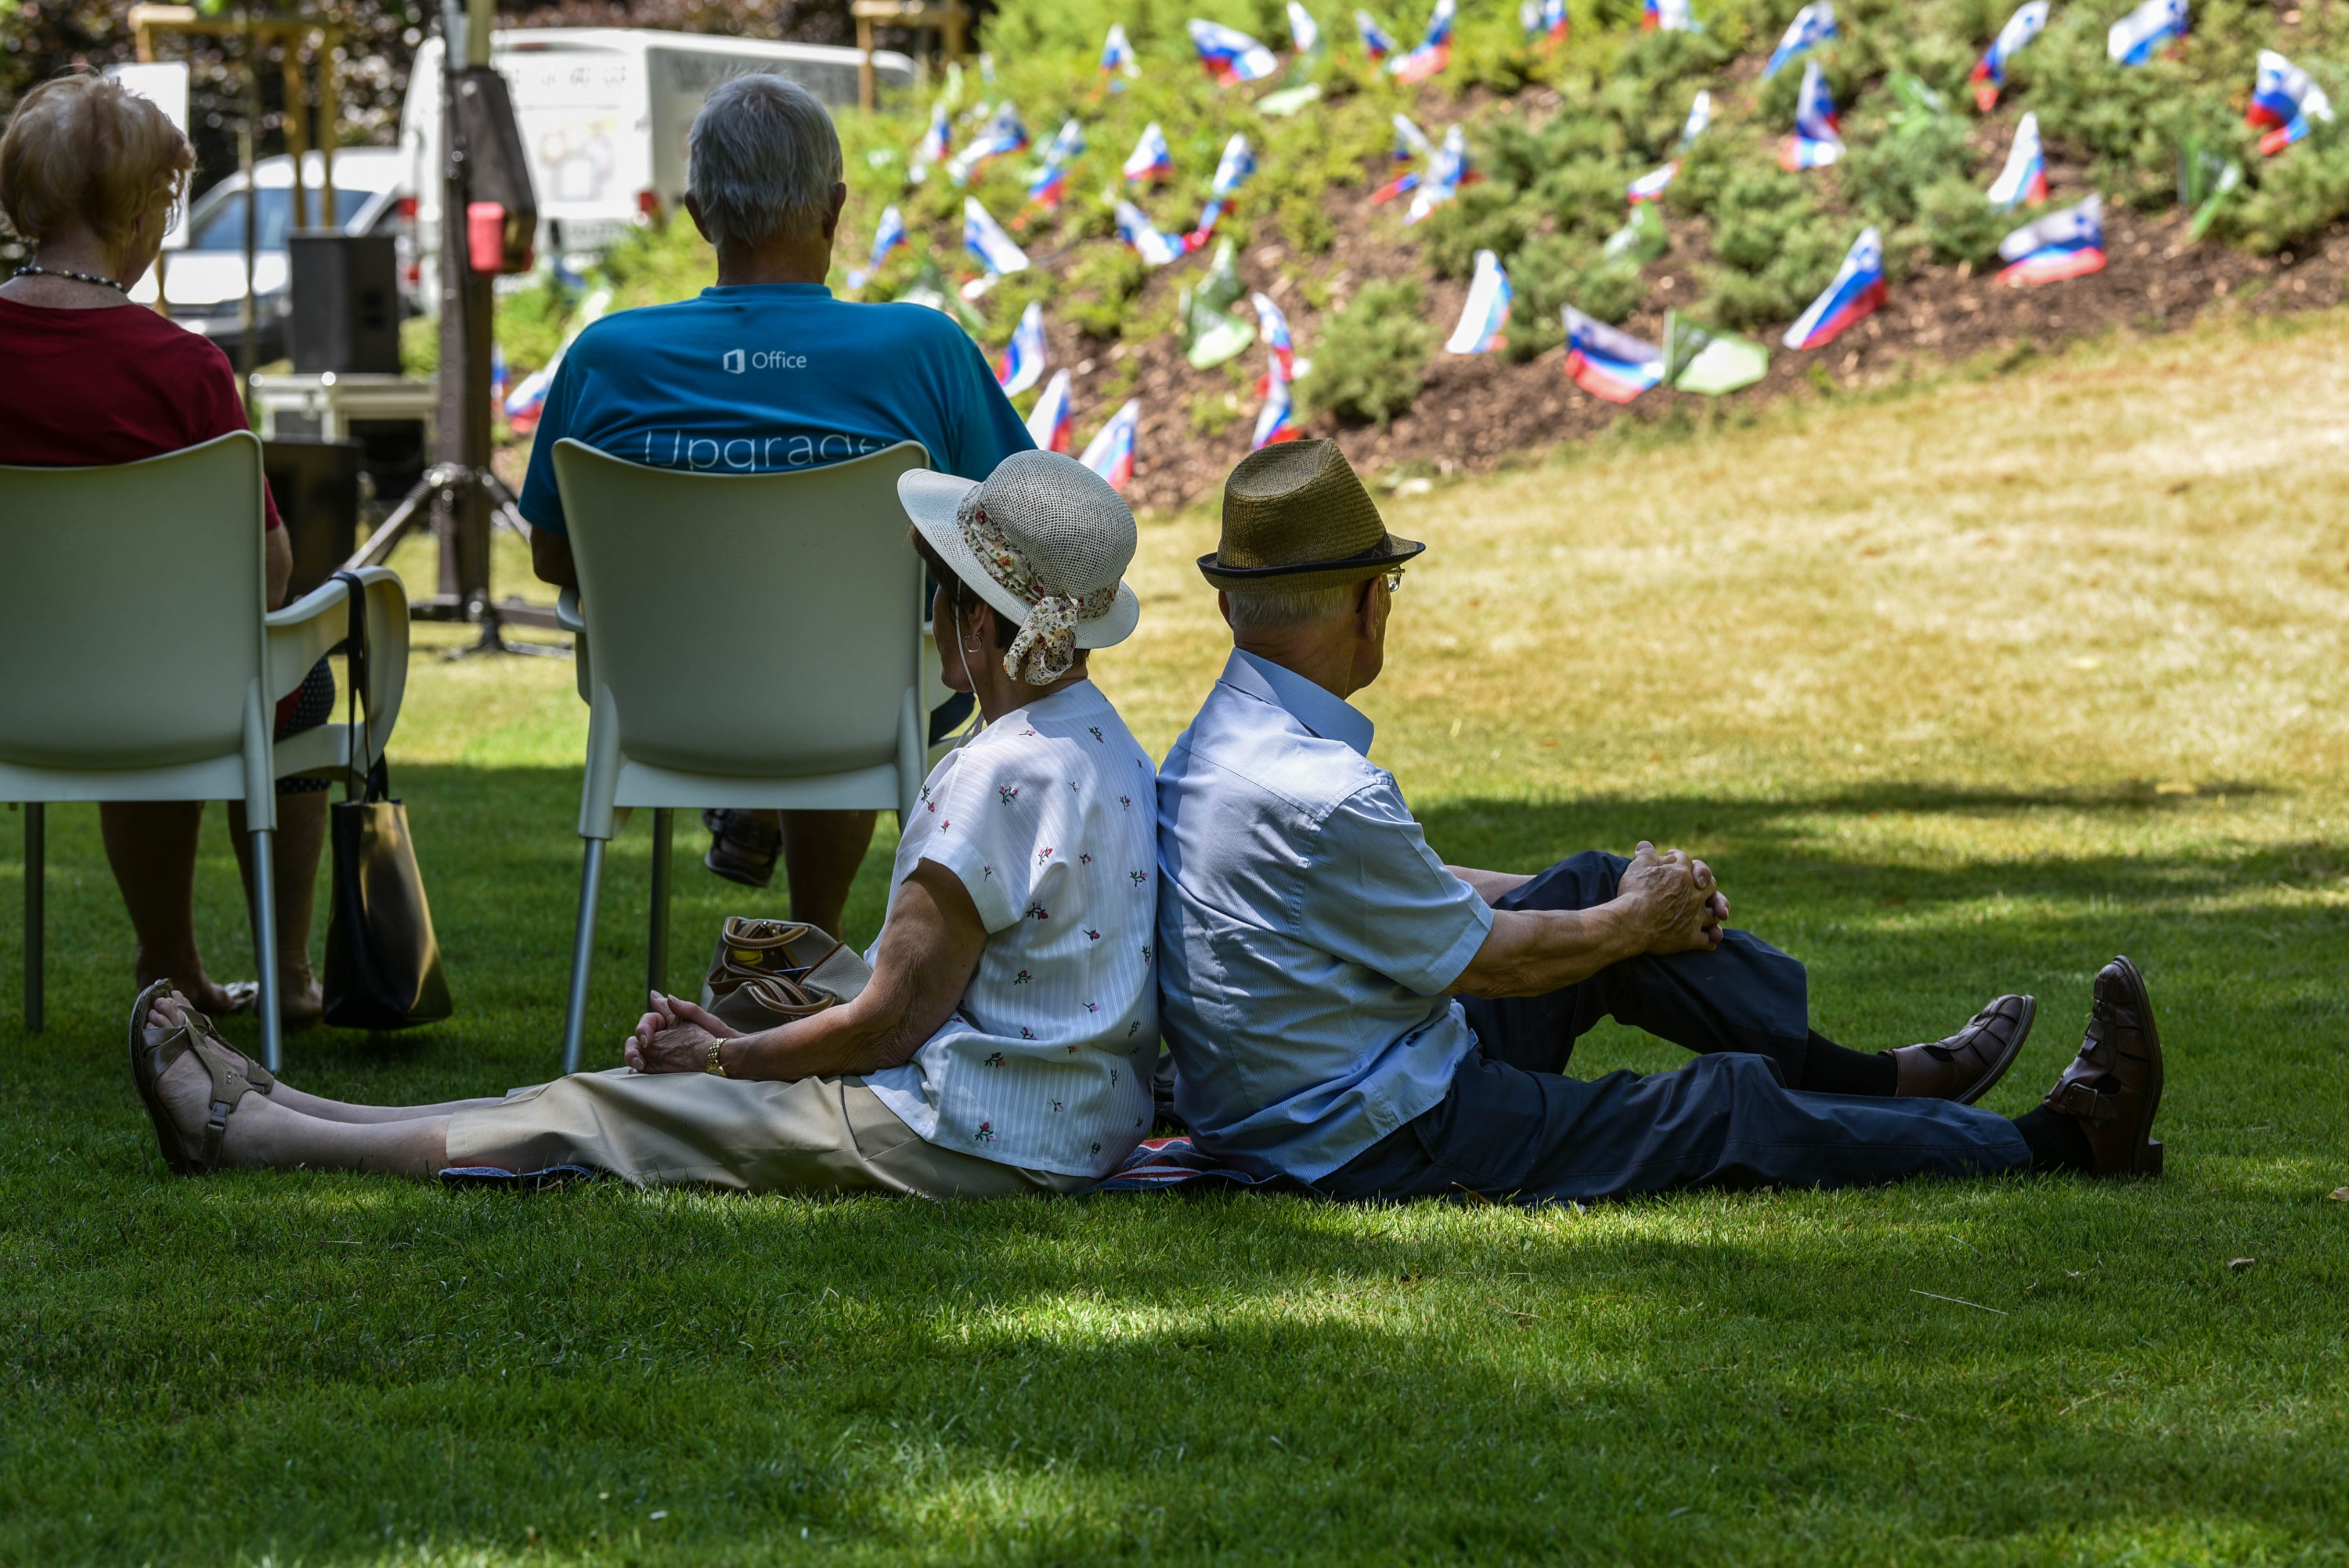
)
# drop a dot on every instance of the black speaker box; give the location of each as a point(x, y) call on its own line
point(316, 486)
point(346, 302)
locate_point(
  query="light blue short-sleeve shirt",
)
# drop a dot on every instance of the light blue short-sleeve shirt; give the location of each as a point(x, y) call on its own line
point(1307, 931)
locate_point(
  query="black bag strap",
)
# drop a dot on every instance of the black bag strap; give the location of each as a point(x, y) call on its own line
point(363, 782)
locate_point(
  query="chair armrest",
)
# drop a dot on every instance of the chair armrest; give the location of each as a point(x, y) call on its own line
point(566, 611)
point(300, 633)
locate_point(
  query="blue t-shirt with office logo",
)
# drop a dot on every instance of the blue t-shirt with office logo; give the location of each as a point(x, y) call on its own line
point(766, 377)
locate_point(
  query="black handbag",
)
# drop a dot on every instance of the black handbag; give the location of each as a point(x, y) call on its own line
point(383, 966)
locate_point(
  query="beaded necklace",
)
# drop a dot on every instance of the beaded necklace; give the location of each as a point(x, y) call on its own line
point(31, 271)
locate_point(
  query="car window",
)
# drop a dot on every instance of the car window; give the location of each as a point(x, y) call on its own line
point(222, 229)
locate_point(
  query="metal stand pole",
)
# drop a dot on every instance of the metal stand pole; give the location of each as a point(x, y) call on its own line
point(582, 950)
point(36, 914)
point(264, 949)
point(656, 949)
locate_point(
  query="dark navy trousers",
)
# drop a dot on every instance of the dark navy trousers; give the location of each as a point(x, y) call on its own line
point(1515, 1127)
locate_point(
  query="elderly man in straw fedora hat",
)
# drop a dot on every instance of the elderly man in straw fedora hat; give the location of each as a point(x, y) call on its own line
point(1345, 1010)
point(997, 1047)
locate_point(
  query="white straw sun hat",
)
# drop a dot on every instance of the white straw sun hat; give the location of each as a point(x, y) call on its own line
point(1046, 542)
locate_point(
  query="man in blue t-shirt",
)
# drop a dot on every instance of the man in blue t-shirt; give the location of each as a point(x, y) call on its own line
point(767, 371)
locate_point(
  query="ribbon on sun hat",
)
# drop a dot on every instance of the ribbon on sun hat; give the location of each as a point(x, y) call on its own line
point(1047, 643)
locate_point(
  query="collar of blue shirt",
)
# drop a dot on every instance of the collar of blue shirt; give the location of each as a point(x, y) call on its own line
point(1319, 710)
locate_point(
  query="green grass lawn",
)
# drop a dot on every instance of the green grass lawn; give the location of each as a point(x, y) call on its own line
point(1962, 689)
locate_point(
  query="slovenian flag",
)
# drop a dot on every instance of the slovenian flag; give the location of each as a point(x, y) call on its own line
point(1856, 294)
point(2141, 34)
point(1990, 71)
point(2066, 244)
point(2023, 180)
point(1445, 175)
point(527, 401)
point(1276, 421)
point(1117, 58)
point(1411, 144)
point(1136, 230)
point(2284, 101)
point(1022, 365)
point(1435, 51)
point(1229, 55)
point(1486, 311)
point(1272, 326)
point(1003, 136)
point(1304, 32)
point(1699, 115)
point(1609, 364)
point(1812, 25)
point(935, 144)
point(1545, 22)
point(1111, 453)
point(1817, 141)
point(1668, 17)
point(984, 238)
point(886, 239)
point(1232, 171)
point(1151, 159)
point(1375, 42)
point(1052, 422)
point(1050, 186)
point(1650, 187)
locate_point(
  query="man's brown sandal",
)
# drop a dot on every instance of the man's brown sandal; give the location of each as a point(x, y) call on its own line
point(2113, 1087)
point(743, 847)
point(153, 1052)
point(1969, 1064)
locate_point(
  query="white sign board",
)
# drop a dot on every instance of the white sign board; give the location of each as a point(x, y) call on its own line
point(166, 87)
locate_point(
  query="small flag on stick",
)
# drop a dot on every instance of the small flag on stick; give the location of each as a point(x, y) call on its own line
point(1435, 51)
point(1812, 25)
point(1990, 71)
point(1135, 229)
point(1375, 42)
point(1856, 294)
point(887, 237)
point(1052, 422)
point(1022, 365)
point(2066, 245)
point(1151, 159)
point(1485, 315)
point(2023, 180)
point(1111, 452)
point(1817, 141)
point(1606, 363)
point(1229, 55)
point(2284, 101)
point(2147, 31)
point(1117, 58)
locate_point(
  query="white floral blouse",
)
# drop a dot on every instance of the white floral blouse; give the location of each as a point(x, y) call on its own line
point(1050, 819)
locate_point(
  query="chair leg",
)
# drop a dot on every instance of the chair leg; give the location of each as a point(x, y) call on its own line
point(37, 1012)
point(656, 949)
point(264, 948)
point(583, 948)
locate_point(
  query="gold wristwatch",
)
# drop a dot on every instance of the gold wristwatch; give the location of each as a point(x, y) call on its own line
point(714, 1065)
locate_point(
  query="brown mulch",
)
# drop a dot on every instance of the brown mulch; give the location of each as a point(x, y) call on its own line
point(1478, 412)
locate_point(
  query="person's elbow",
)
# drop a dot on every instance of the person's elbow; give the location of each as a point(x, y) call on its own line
point(550, 558)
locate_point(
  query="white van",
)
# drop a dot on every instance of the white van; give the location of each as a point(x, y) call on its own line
point(604, 114)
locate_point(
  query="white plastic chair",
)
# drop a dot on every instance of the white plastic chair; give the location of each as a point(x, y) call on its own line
point(140, 664)
point(756, 643)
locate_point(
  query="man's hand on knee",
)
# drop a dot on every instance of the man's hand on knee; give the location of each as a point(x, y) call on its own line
point(1672, 900)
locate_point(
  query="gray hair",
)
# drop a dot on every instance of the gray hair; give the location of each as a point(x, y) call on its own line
point(1255, 611)
point(761, 160)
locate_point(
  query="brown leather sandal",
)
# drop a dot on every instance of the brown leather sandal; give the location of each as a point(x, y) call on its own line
point(2113, 1087)
point(153, 1052)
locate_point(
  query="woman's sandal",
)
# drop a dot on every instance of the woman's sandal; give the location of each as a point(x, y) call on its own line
point(153, 1052)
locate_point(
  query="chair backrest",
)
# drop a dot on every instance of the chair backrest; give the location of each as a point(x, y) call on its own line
point(130, 606)
point(752, 625)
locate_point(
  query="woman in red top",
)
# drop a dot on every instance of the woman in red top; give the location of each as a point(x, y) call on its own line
point(91, 174)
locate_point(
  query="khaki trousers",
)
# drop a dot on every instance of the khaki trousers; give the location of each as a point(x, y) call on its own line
point(662, 1129)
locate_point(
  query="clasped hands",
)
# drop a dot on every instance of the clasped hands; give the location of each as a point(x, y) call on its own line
point(675, 1038)
point(1674, 900)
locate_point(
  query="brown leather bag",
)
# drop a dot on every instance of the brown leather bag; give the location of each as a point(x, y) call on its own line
point(769, 972)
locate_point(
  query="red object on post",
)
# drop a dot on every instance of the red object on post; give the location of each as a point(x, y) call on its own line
point(492, 243)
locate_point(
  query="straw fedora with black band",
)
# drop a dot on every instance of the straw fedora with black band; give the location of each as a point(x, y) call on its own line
point(1297, 517)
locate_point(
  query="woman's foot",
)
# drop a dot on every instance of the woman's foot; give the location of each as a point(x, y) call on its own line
point(300, 1002)
point(221, 999)
point(202, 1086)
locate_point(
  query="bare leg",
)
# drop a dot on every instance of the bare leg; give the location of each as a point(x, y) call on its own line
point(821, 853)
point(165, 1015)
point(261, 1133)
point(151, 845)
point(301, 838)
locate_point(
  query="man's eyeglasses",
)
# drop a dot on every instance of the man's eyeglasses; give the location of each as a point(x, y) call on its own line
point(1394, 580)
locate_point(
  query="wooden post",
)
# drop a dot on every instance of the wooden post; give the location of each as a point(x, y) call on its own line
point(297, 130)
point(331, 109)
point(865, 97)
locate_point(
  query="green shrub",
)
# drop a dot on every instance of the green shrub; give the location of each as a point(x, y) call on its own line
point(1099, 287)
point(2302, 192)
point(1370, 361)
point(1885, 172)
point(1958, 222)
point(1483, 217)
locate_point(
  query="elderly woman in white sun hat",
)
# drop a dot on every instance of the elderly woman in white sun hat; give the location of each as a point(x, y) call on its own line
point(1005, 1041)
